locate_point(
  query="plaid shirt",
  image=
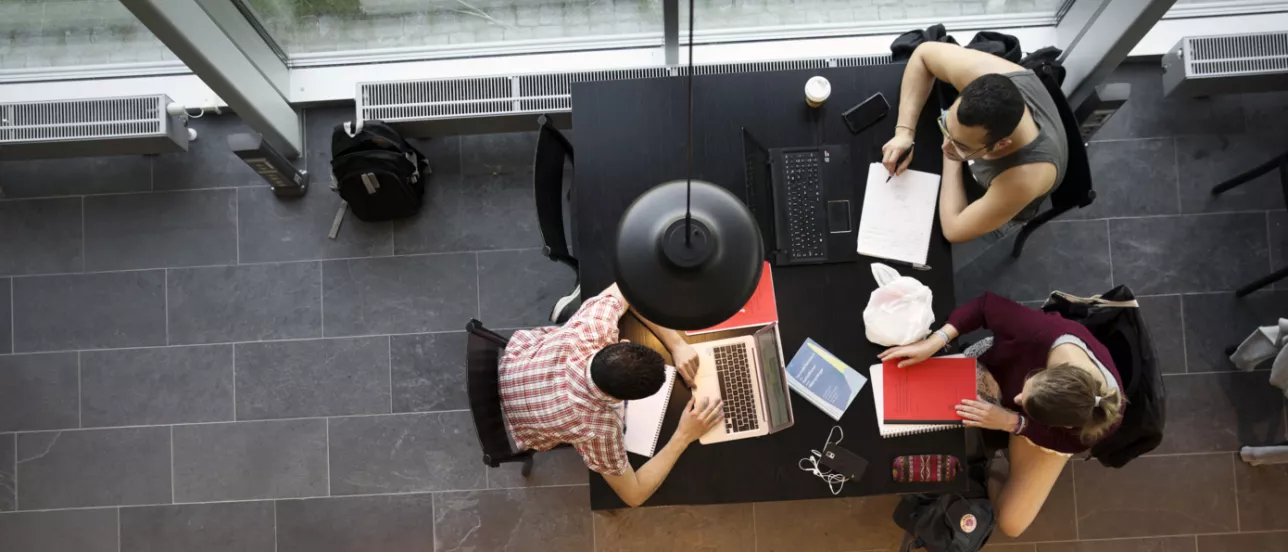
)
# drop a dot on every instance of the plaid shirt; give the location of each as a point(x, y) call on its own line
point(547, 394)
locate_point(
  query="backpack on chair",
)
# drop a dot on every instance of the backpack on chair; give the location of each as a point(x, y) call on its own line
point(378, 173)
point(944, 523)
point(1114, 318)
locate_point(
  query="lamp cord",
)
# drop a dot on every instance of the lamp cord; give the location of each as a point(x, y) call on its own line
point(688, 169)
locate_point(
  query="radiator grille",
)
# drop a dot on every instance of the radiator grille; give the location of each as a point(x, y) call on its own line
point(1217, 56)
point(82, 119)
point(419, 100)
point(757, 66)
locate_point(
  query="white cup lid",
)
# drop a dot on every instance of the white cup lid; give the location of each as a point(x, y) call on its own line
point(818, 88)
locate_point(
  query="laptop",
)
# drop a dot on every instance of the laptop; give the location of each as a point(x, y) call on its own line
point(804, 202)
point(747, 373)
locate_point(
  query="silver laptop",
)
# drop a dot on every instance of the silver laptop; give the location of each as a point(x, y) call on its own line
point(748, 374)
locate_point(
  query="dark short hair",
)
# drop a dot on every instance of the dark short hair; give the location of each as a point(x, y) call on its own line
point(994, 102)
point(628, 371)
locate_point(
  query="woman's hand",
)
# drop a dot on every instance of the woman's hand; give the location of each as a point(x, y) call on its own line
point(987, 415)
point(915, 352)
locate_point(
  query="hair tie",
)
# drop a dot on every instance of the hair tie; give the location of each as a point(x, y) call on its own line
point(1098, 397)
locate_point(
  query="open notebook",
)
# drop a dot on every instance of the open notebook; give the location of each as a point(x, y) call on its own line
point(898, 215)
point(895, 430)
point(644, 418)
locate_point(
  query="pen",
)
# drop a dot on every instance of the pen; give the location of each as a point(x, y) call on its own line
point(899, 161)
point(913, 266)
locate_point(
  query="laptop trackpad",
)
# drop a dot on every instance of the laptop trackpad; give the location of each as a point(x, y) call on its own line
point(838, 216)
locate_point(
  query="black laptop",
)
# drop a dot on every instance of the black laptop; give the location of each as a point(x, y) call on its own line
point(803, 200)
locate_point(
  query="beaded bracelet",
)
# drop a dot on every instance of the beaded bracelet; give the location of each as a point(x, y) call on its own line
point(1020, 424)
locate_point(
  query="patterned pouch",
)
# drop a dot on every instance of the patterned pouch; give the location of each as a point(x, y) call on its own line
point(926, 468)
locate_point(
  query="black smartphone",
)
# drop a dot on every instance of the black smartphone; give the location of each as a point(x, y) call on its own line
point(843, 462)
point(867, 113)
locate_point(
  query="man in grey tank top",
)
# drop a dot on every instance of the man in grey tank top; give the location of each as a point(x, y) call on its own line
point(1004, 125)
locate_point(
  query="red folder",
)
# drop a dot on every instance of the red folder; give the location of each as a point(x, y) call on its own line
point(927, 392)
point(761, 309)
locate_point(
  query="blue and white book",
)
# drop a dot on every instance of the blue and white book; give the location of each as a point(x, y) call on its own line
point(823, 379)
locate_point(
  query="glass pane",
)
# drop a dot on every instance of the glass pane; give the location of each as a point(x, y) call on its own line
point(309, 26)
point(849, 16)
point(58, 33)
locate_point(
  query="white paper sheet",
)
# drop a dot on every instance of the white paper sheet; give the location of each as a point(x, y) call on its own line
point(898, 215)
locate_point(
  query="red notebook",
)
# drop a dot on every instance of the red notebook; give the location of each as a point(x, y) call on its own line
point(760, 310)
point(927, 392)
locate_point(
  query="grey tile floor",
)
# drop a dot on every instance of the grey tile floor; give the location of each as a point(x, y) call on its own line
point(188, 363)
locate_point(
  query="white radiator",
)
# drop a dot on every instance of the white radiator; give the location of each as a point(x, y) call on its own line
point(1207, 65)
point(78, 128)
point(507, 102)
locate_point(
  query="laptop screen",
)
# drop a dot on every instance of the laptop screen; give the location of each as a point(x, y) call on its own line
point(777, 397)
point(759, 193)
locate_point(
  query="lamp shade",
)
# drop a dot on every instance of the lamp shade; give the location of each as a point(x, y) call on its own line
point(695, 285)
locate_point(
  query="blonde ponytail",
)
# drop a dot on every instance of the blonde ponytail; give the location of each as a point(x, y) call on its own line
point(1103, 416)
point(1065, 395)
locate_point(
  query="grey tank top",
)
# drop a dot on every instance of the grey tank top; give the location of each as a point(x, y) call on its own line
point(1051, 145)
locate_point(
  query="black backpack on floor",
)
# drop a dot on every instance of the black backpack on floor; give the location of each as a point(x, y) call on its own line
point(944, 523)
point(378, 173)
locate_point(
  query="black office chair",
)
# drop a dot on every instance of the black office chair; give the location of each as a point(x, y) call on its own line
point(1279, 162)
point(553, 149)
point(483, 350)
point(1075, 191)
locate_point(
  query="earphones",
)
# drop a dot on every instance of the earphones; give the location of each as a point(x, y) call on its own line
point(835, 481)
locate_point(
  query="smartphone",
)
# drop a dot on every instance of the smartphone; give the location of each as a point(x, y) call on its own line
point(866, 114)
point(844, 462)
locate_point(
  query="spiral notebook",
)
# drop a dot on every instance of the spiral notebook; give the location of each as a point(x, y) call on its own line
point(896, 430)
point(644, 418)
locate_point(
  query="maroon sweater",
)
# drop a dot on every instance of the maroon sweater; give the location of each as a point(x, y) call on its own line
point(1022, 340)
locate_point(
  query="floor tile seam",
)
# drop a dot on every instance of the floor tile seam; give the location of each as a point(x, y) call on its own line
point(292, 498)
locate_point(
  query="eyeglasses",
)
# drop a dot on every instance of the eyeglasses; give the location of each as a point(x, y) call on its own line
point(943, 127)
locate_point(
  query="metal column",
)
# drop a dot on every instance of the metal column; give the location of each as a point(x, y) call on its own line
point(671, 31)
point(221, 47)
point(1097, 35)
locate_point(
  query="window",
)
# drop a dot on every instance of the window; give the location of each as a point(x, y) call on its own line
point(302, 27)
point(43, 34)
point(852, 17)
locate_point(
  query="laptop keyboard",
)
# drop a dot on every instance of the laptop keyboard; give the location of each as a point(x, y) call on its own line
point(735, 388)
point(806, 226)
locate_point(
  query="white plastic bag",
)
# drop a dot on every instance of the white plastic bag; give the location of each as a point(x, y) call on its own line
point(898, 311)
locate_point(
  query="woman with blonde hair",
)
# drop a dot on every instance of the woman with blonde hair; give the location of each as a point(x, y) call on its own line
point(1048, 382)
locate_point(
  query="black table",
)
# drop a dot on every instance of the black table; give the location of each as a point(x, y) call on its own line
point(630, 136)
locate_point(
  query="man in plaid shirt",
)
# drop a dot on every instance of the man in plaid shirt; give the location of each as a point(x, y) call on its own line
point(568, 384)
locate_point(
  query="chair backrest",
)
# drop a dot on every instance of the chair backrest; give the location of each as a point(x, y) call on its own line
point(483, 350)
point(548, 172)
point(1075, 190)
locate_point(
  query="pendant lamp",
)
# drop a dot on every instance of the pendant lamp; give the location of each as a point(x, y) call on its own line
point(689, 253)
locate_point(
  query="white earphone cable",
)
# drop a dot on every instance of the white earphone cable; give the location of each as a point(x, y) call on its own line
point(835, 481)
